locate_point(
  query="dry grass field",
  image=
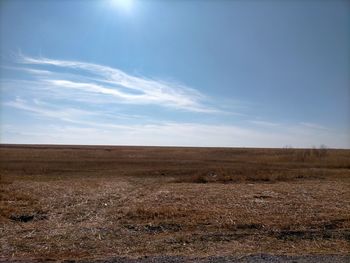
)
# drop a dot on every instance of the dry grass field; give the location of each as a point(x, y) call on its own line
point(81, 202)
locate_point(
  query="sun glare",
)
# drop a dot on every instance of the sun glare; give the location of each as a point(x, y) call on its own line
point(123, 4)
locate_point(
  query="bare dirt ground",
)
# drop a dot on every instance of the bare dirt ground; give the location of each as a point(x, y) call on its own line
point(225, 259)
point(159, 204)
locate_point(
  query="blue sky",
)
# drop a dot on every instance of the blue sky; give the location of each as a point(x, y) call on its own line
point(185, 73)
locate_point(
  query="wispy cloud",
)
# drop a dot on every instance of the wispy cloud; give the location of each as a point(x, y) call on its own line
point(41, 109)
point(313, 126)
point(90, 118)
point(125, 88)
point(74, 102)
point(264, 123)
point(87, 127)
point(29, 70)
point(182, 134)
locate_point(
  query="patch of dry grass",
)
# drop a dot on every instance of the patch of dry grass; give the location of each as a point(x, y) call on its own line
point(130, 201)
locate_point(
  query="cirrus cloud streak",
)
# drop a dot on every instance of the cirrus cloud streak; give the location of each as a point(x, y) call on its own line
point(125, 88)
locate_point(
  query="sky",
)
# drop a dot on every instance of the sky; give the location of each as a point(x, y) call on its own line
point(175, 73)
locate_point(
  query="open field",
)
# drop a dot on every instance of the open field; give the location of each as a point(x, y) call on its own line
point(82, 202)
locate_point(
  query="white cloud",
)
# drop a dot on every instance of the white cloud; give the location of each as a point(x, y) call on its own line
point(70, 115)
point(99, 79)
point(313, 126)
point(85, 127)
point(65, 114)
point(264, 123)
point(55, 85)
point(167, 134)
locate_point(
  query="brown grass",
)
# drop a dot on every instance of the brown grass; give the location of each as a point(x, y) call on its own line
point(95, 202)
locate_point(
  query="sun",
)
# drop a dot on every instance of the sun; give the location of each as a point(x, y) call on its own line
point(123, 4)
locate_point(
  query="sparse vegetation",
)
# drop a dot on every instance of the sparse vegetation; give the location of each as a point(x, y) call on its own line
point(93, 202)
